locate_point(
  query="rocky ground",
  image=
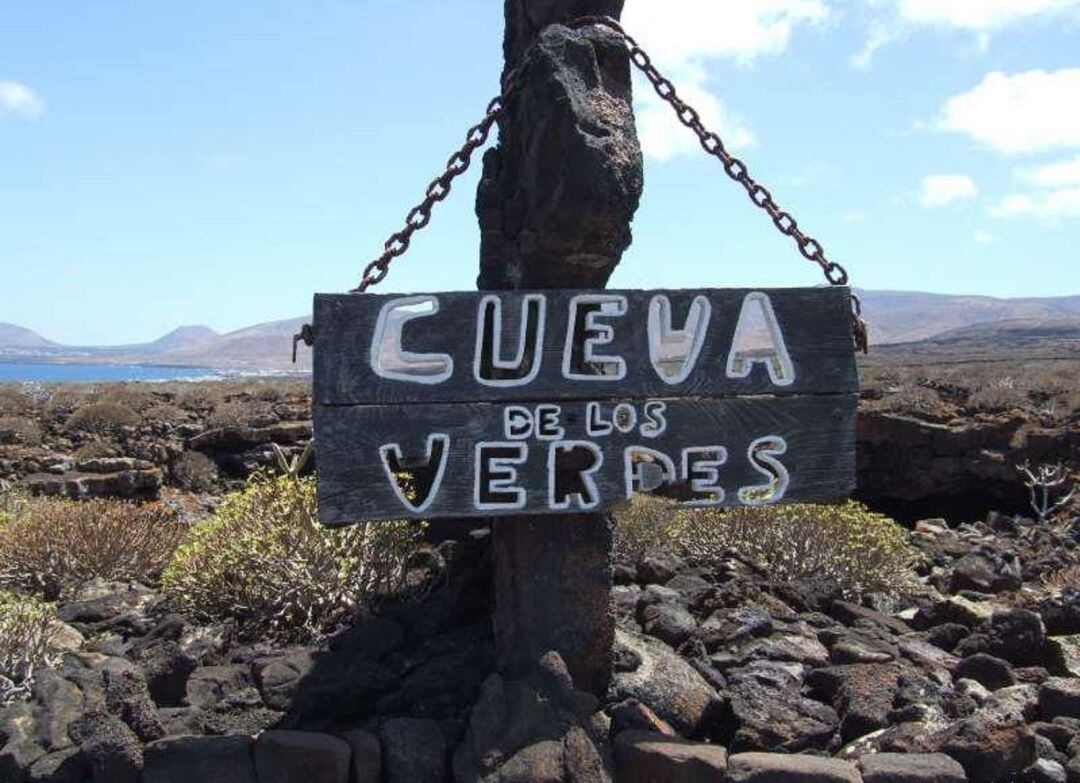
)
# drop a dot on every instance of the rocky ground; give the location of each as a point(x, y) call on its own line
point(976, 675)
point(719, 673)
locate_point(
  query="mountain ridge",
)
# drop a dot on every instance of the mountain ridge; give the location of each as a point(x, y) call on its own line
point(894, 317)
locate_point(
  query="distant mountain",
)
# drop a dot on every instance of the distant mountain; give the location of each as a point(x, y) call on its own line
point(899, 320)
point(181, 338)
point(263, 346)
point(12, 336)
point(1014, 331)
point(908, 316)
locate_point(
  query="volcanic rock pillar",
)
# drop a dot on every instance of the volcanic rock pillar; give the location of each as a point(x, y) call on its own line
point(555, 203)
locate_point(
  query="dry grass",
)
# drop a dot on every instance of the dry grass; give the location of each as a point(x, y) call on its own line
point(54, 545)
point(102, 418)
point(20, 430)
point(195, 471)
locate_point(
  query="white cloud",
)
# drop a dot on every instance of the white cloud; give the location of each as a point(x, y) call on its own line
point(1027, 112)
point(18, 100)
point(682, 31)
point(681, 35)
point(1048, 205)
point(939, 190)
point(984, 238)
point(981, 16)
point(879, 36)
point(663, 137)
point(1053, 175)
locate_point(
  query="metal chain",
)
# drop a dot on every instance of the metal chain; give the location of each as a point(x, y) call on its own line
point(736, 169)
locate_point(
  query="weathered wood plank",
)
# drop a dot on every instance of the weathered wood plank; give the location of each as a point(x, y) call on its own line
point(806, 442)
point(815, 324)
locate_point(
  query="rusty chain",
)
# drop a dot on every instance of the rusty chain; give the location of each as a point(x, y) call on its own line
point(420, 215)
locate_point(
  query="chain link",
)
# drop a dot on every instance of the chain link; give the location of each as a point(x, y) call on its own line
point(420, 215)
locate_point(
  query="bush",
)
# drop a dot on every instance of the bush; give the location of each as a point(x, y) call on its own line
point(264, 560)
point(998, 398)
point(102, 418)
point(864, 552)
point(195, 471)
point(55, 545)
point(26, 628)
point(644, 526)
point(913, 399)
point(14, 400)
point(18, 429)
point(93, 449)
point(240, 414)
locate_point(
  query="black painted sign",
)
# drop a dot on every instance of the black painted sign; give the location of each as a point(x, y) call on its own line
point(501, 403)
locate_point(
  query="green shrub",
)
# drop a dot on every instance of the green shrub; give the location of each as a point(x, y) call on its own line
point(54, 544)
point(102, 418)
point(864, 552)
point(26, 628)
point(645, 525)
point(264, 560)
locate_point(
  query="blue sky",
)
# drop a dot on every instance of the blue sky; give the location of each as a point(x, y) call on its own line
point(218, 162)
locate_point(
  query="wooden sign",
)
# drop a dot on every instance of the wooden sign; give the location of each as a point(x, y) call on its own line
point(492, 404)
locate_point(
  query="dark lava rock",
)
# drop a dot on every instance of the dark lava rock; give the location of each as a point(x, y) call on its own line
point(190, 759)
point(1059, 696)
point(767, 711)
point(808, 595)
point(657, 570)
point(645, 757)
point(1044, 771)
point(986, 670)
point(110, 749)
point(414, 751)
point(910, 768)
point(863, 694)
point(301, 757)
point(779, 768)
point(667, 622)
point(947, 635)
point(366, 756)
point(989, 748)
point(668, 685)
point(1017, 635)
point(167, 668)
point(986, 572)
point(1061, 613)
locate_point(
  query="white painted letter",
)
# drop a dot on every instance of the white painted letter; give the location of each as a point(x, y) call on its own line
point(394, 464)
point(701, 467)
point(496, 476)
point(566, 480)
point(489, 367)
point(390, 360)
point(762, 455)
point(585, 333)
point(747, 345)
point(674, 352)
point(646, 469)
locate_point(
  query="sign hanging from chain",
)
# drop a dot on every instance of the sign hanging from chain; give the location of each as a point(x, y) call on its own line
point(481, 404)
point(474, 404)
